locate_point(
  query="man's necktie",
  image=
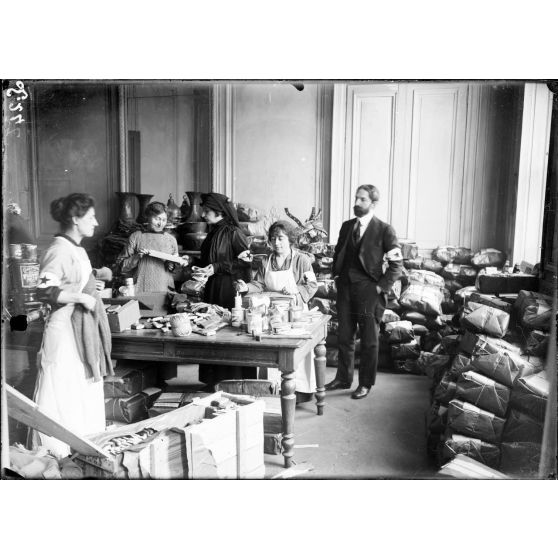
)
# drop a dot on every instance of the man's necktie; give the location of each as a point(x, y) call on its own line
point(357, 232)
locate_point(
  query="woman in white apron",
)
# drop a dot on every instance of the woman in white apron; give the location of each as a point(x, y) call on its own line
point(63, 390)
point(287, 271)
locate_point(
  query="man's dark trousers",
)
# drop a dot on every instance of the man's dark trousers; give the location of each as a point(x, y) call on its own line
point(358, 303)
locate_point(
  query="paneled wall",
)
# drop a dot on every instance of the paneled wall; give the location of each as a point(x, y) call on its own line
point(73, 148)
point(271, 145)
point(164, 117)
point(444, 156)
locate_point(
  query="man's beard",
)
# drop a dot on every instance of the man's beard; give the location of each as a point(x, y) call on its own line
point(360, 212)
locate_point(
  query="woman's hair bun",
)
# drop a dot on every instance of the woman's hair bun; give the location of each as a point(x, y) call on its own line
point(57, 209)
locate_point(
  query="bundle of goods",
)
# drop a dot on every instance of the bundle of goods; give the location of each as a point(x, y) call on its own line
point(465, 275)
point(451, 254)
point(478, 317)
point(131, 391)
point(483, 452)
point(534, 310)
point(489, 257)
point(464, 467)
point(536, 343)
point(409, 249)
point(523, 432)
point(424, 293)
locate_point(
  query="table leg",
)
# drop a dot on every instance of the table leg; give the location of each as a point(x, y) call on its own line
point(320, 366)
point(288, 402)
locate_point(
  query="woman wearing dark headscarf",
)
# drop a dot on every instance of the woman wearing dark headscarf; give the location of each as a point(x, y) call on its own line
point(219, 258)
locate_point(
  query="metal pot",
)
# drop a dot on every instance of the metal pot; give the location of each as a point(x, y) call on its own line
point(193, 227)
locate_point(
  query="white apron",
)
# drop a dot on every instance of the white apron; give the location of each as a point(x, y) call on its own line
point(276, 281)
point(62, 390)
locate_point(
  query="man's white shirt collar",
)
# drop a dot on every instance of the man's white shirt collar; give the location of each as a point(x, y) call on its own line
point(365, 220)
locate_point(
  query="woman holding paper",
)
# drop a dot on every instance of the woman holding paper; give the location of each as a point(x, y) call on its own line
point(150, 274)
point(287, 271)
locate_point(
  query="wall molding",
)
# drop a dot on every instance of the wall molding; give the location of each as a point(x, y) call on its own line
point(338, 127)
point(323, 151)
point(222, 152)
point(533, 164)
point(123, 136)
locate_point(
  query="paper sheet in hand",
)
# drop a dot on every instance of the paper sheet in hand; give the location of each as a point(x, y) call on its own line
point(165, 256)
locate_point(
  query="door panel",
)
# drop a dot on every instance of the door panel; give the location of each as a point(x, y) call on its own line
point(372, 129)
point(436, 170)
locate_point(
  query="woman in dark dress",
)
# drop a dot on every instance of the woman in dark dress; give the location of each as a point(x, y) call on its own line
point(220, 260)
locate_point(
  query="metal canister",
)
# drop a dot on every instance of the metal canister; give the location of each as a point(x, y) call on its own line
point(29, 252)
point(16, 251)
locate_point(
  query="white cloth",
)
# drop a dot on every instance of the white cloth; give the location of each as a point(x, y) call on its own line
point(62, 390)
point(305, 376)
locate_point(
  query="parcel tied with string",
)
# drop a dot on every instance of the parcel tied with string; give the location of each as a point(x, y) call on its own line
point(483, 452)
point(530, 395)
point(503, 367)
point(534, 310)
point(483, 392)
point(470, 420)
point(485, 319)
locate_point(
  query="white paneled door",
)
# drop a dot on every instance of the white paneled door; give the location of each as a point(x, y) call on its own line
point(408, 139)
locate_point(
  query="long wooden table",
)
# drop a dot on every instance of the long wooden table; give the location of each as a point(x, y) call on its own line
point(231, 347)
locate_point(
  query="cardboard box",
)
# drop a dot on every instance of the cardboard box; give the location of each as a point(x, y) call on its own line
point(123, 317)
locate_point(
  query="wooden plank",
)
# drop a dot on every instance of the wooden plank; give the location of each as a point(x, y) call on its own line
point(28, 412)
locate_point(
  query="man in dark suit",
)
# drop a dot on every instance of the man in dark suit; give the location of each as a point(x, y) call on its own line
point(365, 246)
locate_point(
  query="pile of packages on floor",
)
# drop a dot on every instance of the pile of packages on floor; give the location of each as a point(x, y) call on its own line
point(484, 354)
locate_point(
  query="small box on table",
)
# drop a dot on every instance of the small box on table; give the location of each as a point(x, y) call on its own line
point(122, 316)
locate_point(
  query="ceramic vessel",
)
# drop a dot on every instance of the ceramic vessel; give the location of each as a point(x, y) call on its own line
point(173, 211)
point(126, 206)
point(143, 203)
point(195, 210)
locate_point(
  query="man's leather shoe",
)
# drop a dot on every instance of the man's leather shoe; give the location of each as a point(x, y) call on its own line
point(336, 384)
point(360, 392)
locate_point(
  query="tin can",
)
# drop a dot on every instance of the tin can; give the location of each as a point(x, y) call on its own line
point(16, 251)
point(29, 252)
point(25, 276)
